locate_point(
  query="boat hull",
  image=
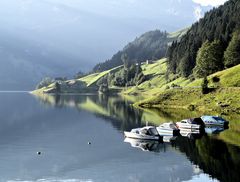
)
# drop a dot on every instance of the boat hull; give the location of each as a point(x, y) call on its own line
point(168, 132)
point(140, 136)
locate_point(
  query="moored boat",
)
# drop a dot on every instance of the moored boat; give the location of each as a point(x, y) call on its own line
point(168, 129)
point(193, 123)
point(214, 120)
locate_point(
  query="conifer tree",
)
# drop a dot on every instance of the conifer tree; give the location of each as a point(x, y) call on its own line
point(209, 59)
point(232, 53)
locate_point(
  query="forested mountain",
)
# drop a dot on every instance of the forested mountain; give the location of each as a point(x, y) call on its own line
point(149, 46)
point(213, 33)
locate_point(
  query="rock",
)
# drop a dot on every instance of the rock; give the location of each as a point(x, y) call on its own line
point(224, 105)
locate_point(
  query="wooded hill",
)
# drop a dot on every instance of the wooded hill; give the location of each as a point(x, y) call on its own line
point(151, 45)
point(213, 32)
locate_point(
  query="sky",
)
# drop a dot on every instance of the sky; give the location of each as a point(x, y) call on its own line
point(53, 38)
point(210, 2)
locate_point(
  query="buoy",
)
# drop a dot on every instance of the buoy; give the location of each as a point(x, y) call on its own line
point(39, 153)
point(89, 143)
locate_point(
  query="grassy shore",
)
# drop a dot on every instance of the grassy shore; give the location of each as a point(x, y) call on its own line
point(173, 91)
point(159, 91)
point(221, 100)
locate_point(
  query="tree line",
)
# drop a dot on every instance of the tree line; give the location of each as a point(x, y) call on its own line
point(149, 46)
point(210, 45)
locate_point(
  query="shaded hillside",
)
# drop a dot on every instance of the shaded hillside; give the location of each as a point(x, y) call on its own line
point(149, 46)
point(217, 24)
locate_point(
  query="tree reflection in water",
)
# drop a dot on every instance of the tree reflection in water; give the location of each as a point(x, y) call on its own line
point(211, 153)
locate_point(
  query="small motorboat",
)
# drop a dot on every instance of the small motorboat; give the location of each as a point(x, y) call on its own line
point(168, 129)
point(194, 123)
point(145, 133)
point(214, 120)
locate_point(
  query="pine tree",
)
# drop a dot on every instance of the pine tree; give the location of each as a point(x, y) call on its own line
point(209, 59)
point(232, 54)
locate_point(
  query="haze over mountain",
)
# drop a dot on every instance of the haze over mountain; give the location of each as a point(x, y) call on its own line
point(58, 38)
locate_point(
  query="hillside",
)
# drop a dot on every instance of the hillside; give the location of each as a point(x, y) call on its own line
point(151, 45)
point(158, 82)
point(146, 47)
point(219, 25)
point(184, 93)
point(84, 84)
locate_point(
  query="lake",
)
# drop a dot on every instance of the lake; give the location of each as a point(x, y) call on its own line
point(80, 138)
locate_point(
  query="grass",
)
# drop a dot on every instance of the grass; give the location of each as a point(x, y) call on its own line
point(93, 78)
point(158, 83)
point(87, 83)
point(224, 98)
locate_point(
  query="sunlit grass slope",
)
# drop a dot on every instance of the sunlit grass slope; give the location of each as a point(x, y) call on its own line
point(93, 78)
point(224, 98)
point(158, 83)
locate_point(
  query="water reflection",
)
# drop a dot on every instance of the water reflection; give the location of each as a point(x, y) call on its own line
point(214, 150)
point(213, 156)
point(146, 145)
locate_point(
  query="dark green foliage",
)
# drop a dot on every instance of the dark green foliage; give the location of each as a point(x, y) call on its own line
point(60, 79)
point(204, 86)
point(173, 85)
point(150, 46)
point(102, 81)
point(58, 87)
point(215, 79)
point(217, 24)
point(103, 88)
point(45, 82)
point(79, 75)
point(209, 59)
point(232, 54)
point(129, 75)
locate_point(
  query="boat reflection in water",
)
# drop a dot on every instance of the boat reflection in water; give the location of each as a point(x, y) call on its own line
point(145, 145)
point(214, 129)
point(184, 137)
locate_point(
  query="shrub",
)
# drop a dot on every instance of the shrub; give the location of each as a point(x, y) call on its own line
point(44, 82)
point(204, 86)
point(215, 79)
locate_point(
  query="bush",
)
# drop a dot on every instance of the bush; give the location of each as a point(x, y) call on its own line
point(204, 86)
point(175, 85)
point(215, 79)
point(191, 107)
point(44, 82)
point(167, 87)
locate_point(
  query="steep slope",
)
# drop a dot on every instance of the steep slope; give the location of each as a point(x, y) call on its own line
point(158, 81)
point(185, 93)
point(151, 45)
point(217, 24)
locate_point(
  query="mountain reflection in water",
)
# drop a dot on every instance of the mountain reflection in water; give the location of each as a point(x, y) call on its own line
point(215, 152)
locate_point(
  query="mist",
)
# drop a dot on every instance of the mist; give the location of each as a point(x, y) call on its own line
point(59, 38)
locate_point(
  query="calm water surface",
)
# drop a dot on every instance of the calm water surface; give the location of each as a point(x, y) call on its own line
point(60, 127)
